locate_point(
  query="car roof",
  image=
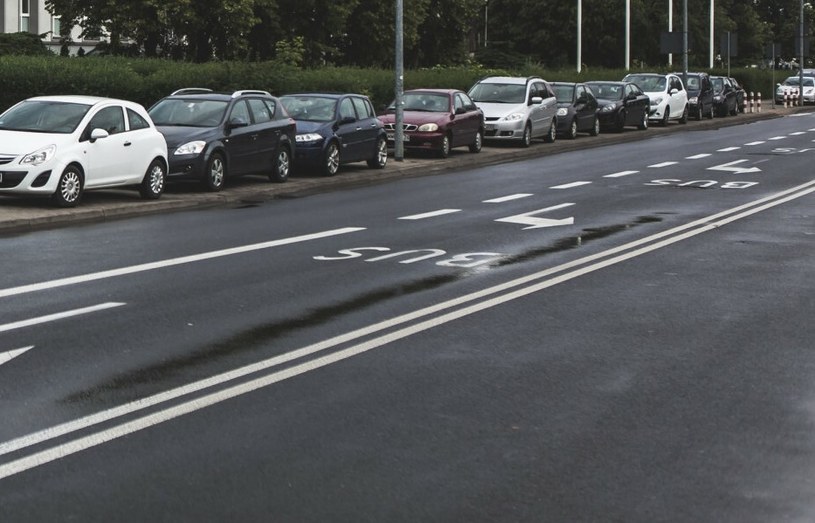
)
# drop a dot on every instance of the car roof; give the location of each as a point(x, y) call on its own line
point(612, 82)
point(510, 79)
point(79, 99)
point(431, 90)
point(325, 95)
point(207, 94)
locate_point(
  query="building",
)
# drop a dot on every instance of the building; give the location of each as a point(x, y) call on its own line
point(31, 16)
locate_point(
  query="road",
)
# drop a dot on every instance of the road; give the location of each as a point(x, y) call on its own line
point(616, 334)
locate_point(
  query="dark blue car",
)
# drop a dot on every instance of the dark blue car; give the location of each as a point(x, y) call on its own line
point(333, 129)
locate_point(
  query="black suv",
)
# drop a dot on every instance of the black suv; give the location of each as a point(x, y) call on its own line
point(213, 136)
point(700, 95)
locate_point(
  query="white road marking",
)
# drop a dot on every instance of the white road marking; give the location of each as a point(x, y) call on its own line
point(756, 143)
point(123, 271)
point(778, 138)
point(431, 214)
point(731, 167)
point(698, 156)
point(523, 286)
point(728, 149)
point(58, 316)
point(799, 133)
point(533, 222)
point(570, 185)
point(7, 356)
point(623, 173)
point(661, 165)
point(511, 197)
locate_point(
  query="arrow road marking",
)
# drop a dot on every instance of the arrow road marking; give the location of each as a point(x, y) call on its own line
point(529, 219)
point(58, 316)
point(730, 167)
point(6, 357)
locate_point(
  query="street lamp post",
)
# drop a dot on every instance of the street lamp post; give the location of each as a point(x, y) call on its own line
point(627, 35)
point(399, 132)
point(579, 35)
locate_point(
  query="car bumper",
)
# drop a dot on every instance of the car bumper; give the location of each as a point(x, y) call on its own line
point(504, 130)
point(608, 119)
point(417, 140)
point(41, 179)
point(186, 167)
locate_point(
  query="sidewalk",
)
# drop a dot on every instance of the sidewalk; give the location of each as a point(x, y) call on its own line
point(20, 214)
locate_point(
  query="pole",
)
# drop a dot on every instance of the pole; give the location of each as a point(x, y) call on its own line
point(627, 35)
point(801, 56)
point(712, 33)
point(670, 28)
point(486, 19)
point(579, 35)
point(685, 42)
point(399, 132)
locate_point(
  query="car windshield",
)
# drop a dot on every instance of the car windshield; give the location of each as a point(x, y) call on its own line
point(693, 82)
point(808, 82)
point(39, 116)
point(310, 108)
point(650, 84)
point(607, 91)
point(564, 93)
point(431, 102)
point(498, 93)
point(188, 112)
point(718, 85)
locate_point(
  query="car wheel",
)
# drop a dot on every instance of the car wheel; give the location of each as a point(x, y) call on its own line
point(684, 118)
point(710, 114)
point(444, 150)
point(215, 174)
point(643, 126)
point(551, 136)
point(281, 166)
point(381, 159)
point(152, 185)
point(572, 134)
point(595, 130)
point(666, 117)
point(331, 162)
point(699, 114)
point(69, 188)
point(475, 147)
point(526, 139)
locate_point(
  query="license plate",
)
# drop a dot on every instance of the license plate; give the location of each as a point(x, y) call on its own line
point(392, 137)
point(489, 127)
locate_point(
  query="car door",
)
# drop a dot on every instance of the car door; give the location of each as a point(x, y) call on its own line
point(349, 131)
point(268, 134)
point(240, 139)
point(679, 97)
point(367, 127)
point(139, 134)
point(467, 118)
point(110, 160)
point(585, 107)
point(636, 104)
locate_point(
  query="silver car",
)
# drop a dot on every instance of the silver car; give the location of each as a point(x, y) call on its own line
point(516, 108)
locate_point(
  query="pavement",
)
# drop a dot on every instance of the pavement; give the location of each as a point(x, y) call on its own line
point(21, 214)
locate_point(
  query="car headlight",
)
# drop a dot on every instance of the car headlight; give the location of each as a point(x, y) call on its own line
point(428, 128)
point(693, 100)
point(40, 156)
point(191, 148)
point(562, 111)
point(609, 108)
point(657, 100)
point(307, 137)
point(514, 117)
point(717, 98)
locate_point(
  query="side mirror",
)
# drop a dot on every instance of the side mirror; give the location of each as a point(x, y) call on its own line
point(347, 119)
point(673, 91)
point(461, 110)
point(536, 100)
point(234, 123)
point(582, 99)
point(98, 133)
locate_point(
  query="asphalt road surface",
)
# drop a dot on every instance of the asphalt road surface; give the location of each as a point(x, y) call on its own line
point(618, 334)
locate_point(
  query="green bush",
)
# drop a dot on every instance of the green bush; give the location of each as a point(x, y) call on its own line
point(26, 44)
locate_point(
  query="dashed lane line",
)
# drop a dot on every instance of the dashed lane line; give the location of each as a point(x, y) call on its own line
point(431, 214)
point(570, 185)
point(508, 198)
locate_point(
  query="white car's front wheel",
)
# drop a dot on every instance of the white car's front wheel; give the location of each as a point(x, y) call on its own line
point(69, 187)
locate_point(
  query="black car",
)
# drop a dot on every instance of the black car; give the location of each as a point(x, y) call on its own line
point(725, 96)
point(741, 95)
point(621, 104)
point(214, 136)
point(700, 95)
point(576, 109)
point(333, 129)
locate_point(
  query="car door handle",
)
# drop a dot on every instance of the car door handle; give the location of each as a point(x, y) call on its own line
point(127, 144)
point(359, 128)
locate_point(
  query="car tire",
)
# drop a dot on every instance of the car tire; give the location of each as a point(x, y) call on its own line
point(665, 117)
point(475, 147)
point(643, 125)
point(444, 150)
point(70, 187)
point(551, 136)
point(526, 139)
point(684, 118)
point(381, 158)
point(331, 160)
point(281, 166)
point(215, 173)
point(572, 134)
point(152, 185)
point(595, 130)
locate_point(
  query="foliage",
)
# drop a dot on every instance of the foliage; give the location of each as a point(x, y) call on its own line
point(22, 44)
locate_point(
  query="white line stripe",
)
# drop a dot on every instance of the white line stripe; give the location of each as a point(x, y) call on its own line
point(83, 443)
point(660, 165)
point(58, 316)
point(431, 214)
point(6, 357)
point(756, 143)
point(698, 156)
point(511, 197)
point(799, 133)
point(620, 174)
point(570, 185)
point(777, 137)
point(728, 149)
point(23, 289)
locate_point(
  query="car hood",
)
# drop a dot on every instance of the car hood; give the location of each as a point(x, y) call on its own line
point(15, 143)
point(499, 110)
point(417, 117)
point(179, 135)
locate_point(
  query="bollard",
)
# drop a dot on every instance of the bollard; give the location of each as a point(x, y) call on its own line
point(786, 97)
point(758, 102)
point(750, 102)
point(795, 101)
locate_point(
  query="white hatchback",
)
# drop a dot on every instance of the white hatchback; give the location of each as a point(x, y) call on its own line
point(669, 98)
point(59, 146)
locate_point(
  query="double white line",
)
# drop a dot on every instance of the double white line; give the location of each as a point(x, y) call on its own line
point(391, 330)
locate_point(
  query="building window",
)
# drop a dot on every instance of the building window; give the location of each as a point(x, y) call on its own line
point(25, 12)
point(55, 26)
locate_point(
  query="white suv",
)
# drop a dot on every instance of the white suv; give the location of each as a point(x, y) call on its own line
point(516, 108)
point(669, 99)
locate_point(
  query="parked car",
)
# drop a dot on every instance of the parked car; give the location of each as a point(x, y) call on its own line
point(792, 84)
point(620, 104)
point(334, 129)
point(516, 109)
point(700, 95)
point(741, 95)
point(577, 110)
point(437, 120)
point(725, 96)
point(215, 136)
point(669, 99)
point(60, 146)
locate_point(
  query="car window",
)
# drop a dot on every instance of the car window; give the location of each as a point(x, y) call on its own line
point(458, 102)
point(432, 102)
point(347, 109)
point(468, 102)
point(44, 117)
point(240, 113)
point(564, 93)
point(188, 112)
point(608, 91)
point(310, 108)
point(498, 93)
point(693, 82)
point(260, 111)
point(111, 119)
point(361, 107)
point(136, 121)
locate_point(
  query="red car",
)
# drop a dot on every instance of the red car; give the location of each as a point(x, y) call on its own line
point(437, 120)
